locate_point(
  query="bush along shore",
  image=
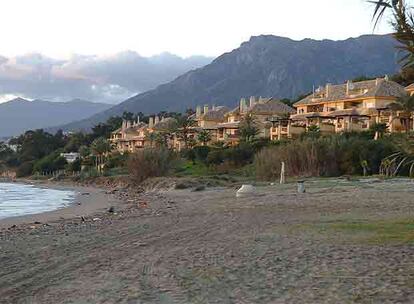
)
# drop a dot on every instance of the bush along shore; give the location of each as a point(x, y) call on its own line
point(40, 153)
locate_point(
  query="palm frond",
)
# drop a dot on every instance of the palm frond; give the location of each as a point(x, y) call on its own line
point(380, 7)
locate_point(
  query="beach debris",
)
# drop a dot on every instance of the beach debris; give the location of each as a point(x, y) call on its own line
point(37, 223)
point(245, 190)
point(83, 219)
point(301, 186)
point(199, 188)
point(79, 203)
point(142, 204)
point(85, 193)
point(96, 219)
point(141, 244)
point(12, 227)
point(112, 191)
point(111, 209)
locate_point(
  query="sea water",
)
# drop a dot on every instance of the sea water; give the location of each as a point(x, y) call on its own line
point(20, 199)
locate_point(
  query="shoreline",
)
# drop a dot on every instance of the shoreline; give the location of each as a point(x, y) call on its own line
point(88, 201)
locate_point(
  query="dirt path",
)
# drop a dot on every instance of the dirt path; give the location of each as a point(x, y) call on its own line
point(209, 247)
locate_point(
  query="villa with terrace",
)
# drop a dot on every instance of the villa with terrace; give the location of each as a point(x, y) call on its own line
point(348, 107)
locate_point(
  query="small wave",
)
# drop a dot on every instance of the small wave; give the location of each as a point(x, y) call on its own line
point(20, 199)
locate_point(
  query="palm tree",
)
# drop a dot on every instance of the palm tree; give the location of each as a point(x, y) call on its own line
point(404, 157)
point(404, 104)
point(100, 147)
point(204, 137)
point(403, 23)
point(380, 129)
point(313, 131)
point(248, 129)
point(185, 124)
point(151, 137)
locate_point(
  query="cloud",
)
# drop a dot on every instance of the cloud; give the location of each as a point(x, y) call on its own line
point(109, 79)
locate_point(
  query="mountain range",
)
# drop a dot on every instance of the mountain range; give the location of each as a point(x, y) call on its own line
point(268, 66)
point(20, 115)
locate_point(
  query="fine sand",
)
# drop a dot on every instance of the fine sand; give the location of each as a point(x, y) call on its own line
point(340, 242)
point(88, 201)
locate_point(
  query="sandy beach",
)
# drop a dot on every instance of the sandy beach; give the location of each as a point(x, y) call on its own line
point(341, 242)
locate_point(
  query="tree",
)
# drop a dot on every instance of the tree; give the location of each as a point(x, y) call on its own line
point(34, 145)
point(151, 137)
point(204, 137)
point(75, 141)
point(403, 24)
point(114, 122)
point(101, 130)
point(313, 131)
point(100, 146)
point(380, 129)
point(184, 126)
point(129, 116)
point(404, 104)
point(248, 129)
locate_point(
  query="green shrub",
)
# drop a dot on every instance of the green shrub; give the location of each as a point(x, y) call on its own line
point(116, 160)
point(25, 169)
point(188, 154)
point(150, 163)
point(201, 153)
point(240, 155)
point(74, 166)
point(325, 156)
point(49, 163)
point(215, 157)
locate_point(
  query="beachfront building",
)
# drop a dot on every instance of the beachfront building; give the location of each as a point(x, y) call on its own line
point(130, 137)
point(350, 107)
point(135, 135)
point(209, 119)
point(220, 122)
point(263, 111)
point(70, 157)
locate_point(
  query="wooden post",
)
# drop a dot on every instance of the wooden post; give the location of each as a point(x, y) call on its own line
point(282, 173)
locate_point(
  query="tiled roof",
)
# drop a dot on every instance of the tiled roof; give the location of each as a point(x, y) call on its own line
point(267, 106)
point(165, 124)
point(410, 87)
point(271, 106)
point(362, 89)
point(135, 128)
point(216, 114)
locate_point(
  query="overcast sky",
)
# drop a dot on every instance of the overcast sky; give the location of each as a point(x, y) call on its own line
point(93, 49)
point(59, 28)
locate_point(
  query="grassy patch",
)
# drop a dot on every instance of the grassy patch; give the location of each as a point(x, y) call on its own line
point(399, 231)
point(188, 168)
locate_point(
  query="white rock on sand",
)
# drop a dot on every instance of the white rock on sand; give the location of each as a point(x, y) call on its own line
point(245, 190)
